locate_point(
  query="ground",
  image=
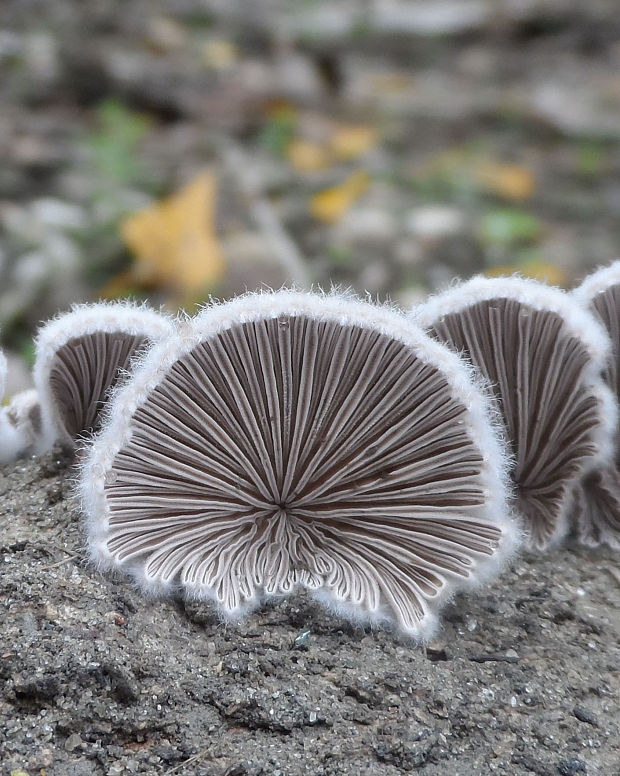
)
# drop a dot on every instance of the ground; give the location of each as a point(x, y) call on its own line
point(523, 678)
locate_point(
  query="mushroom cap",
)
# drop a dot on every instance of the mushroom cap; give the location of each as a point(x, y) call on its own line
point(542, 355)
point(79, 357)
point(20, 426)
point(596, 512)
point(596, 508)
point(599, 293)
point(293, 440)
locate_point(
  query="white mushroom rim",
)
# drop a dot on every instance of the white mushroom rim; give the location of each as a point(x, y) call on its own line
point(294, 507)
point(596, 283)
point(82, 322)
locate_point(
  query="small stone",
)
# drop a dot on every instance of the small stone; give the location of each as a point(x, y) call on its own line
point(73, 742)
point(583, 715)
point(571, 767)
point(365, 225)
point(435, 221)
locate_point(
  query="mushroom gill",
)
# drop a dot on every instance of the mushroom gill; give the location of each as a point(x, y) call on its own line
point(79, 358)
point(596, 512)
point(295, 440)
point(541, 356)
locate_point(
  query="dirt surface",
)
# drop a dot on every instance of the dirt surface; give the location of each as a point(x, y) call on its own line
point(98, 680)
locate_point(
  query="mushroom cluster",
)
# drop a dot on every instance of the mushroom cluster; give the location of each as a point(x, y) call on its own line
point(380, 460)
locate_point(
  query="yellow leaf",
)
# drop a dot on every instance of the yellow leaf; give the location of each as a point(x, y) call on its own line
point(330, 205)
point(507, 180)
point(537, 270)
point(174, 241)
point(351, 142)
point(307, 157)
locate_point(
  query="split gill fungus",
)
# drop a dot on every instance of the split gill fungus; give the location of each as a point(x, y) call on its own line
point(597, 497)
point(542, 357)
point(79, 358)
point(289, 440)
point(20, 421)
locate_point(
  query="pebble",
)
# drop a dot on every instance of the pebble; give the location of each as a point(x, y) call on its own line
point(433, 222)
point(73, 742)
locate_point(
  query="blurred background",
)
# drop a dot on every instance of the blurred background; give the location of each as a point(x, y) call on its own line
point(172, 149)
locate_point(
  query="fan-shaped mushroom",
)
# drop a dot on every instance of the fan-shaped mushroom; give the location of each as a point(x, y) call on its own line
point(542, 356)
point(597, 497)
point(79, 357)
point(295, 440)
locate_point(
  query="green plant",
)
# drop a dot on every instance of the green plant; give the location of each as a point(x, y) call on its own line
point(114, 143)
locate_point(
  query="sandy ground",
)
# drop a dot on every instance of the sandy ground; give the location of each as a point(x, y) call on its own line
point(524, 678)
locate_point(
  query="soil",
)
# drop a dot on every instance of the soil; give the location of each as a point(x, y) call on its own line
point(96, 679)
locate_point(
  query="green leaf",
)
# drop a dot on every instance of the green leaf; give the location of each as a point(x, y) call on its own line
point(278, 131)
point(113, 145)
point(506, 227)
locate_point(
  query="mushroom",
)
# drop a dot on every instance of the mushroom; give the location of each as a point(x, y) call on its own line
point(20, 421)
point(20, 427)
point(79, 357)
point(291, 440)
point(596, 512)
point(541, 355)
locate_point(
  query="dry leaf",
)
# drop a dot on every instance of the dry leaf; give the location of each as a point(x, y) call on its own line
point(506, 180)
point(330, 205)
point(121, 285)
point(351, 142)
point(537, 270)
point(174, 240)
point(165, 34)
point(307, 157)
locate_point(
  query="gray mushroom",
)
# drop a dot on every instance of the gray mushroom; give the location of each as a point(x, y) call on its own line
point(596, 512)
point(20, 427)
point(541, 355)
point(288, 440)
point(79, 357)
